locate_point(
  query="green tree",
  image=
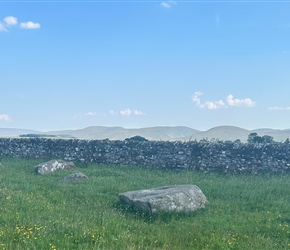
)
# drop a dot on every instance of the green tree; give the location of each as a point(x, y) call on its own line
point(255, 138)
point(252, 137)
point(267, 139)
point(136, 138)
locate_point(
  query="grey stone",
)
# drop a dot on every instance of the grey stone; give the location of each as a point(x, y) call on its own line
point(179, 198)
point(74, 177)
point(53, 165)
point(205, 156)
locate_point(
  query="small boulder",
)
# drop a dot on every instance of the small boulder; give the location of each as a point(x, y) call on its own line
point(179, 198)
point(74, 177)
point(53, 165)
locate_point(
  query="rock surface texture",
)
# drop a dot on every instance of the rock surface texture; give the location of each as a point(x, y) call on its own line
point(74, 177)
point(204, 156)
point(179, 198)
point(53, 165)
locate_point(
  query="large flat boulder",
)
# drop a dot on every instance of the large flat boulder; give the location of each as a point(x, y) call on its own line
point(178, 198)
point(53, 165)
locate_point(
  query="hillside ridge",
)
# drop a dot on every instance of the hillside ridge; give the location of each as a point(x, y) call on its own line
point(157, 133)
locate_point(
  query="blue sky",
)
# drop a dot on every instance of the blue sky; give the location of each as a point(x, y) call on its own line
point(73, 64)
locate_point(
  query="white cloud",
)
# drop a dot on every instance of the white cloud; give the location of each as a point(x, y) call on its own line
point(10, 20)
point(167, 4)
point(29, 25)
point(278, 108)
point(240, 102)
point(2, 27)
point(5, 117)
point(208, 105)
point(7, 22)
point(90, 114)
point(196, 99)
point(220, 103)
point(127, 112)
point(214, 105)
point(137, 112)
point(87, 114)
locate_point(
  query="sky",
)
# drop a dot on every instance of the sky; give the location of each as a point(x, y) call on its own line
point(135, 64)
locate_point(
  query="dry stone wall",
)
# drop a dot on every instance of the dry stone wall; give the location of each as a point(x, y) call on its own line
point(224, 157)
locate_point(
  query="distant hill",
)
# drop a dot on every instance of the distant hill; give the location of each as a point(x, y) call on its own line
point(233, 133)
point(224, 133)
point(12, 132)
point(119, 133)
point(164, 133)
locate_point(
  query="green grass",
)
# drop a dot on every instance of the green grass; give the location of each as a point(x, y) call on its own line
point(39, 212)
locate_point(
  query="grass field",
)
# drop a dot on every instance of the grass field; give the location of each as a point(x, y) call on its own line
point(39, 212)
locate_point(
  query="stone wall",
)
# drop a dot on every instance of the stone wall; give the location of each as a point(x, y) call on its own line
point(204, 156)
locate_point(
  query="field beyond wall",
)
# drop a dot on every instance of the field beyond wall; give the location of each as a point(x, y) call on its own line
point(39, 212)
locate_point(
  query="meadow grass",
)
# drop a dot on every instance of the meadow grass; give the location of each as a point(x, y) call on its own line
point(40, 212)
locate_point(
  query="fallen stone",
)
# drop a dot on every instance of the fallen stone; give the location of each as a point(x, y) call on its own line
point(179, 198)
point(74, 177)
point(53, 165)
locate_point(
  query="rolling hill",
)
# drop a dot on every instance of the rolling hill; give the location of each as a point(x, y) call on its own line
point(119, 133)
point(164, 133)
point(224, 133)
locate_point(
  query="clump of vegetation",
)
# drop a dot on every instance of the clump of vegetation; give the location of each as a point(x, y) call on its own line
point(136, 138)
point(39, 212)
point(255, 138)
